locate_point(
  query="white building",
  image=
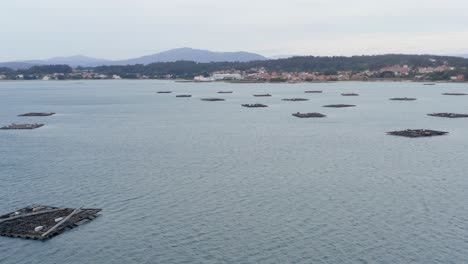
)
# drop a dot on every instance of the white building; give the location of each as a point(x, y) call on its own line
point(101, 76)
point(202, 78)
point(227, 76)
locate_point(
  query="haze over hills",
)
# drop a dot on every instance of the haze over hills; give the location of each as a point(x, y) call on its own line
point(196, 55)
point(181, 54)
point(187, 54)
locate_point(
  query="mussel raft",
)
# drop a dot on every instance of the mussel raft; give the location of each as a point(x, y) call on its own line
point(184, 95)
point(448, 115)
point(22, 126)
point(339, 105)
point(38, 114)
point(225, 92)
point(313, 92)
point(254, 105)
point(262, 95)
point(415, 133)
point(165, 92)
point(212, 99)
point(350, 94)
point(308, 115)
point(41, 222)
point(454, 94)
point(295, 99)
point(402, 99)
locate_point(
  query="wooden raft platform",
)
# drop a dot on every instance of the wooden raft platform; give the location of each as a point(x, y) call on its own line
point(212, 99)
point(415, 133)
point(295, 99)
point(254, 105)
point(455, 94)
point(448, 115)
point(38, 114)
point(309, 115)
point(41, 222)
point(22, 126)
point(339, 105)
point(402, 99)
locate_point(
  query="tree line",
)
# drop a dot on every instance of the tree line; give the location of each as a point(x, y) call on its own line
point(324, 65)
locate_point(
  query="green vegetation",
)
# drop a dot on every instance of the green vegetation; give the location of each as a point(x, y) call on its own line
point(328, 66)
point(444, 76)
point(46, 69)
point(325, 65)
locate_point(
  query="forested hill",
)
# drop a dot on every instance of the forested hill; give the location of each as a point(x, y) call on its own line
point(294, 64)
point(360, 63)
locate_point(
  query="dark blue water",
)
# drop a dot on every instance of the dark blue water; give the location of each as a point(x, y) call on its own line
point(186, 181)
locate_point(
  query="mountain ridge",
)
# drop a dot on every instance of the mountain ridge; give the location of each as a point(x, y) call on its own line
point(187, 54)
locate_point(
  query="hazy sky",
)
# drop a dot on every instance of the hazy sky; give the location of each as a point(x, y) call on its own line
point(118, 29)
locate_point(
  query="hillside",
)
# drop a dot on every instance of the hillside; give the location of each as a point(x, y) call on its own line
point(196, 55)
point(295, 64)
point(173, 55)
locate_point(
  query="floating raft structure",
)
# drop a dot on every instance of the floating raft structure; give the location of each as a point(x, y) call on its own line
point(295, 99)
point(164, 92)
point(454, 94)
point(22, 126)
point(403, 99)
point(213, 99)
point(350, 94)
point(448, 115)
point(429, 84)
point(339, 105)
point(42, 222)
point(254, 105)
point(414, 133)
point(184, 95)
point(309, 115)
point(262, 95)
point(313, 92)
point(38, 114)
point(225, 92)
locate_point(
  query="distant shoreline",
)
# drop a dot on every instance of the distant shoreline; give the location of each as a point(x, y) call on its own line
point(240, 82)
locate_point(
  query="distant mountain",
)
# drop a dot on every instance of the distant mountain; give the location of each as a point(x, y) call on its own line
point(16, 65)
point(78, 60)
point(73, 61)
point(196, 55)
point(186, 54)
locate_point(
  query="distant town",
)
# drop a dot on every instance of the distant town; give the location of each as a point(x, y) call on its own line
point(396, 72)
point(291, 70)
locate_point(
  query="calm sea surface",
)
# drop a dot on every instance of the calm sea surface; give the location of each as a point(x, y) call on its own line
point(181, 180)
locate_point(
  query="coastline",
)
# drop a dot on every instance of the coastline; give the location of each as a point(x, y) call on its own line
point(247, 82)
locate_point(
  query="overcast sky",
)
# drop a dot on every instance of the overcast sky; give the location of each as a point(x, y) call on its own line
point(119, 29)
